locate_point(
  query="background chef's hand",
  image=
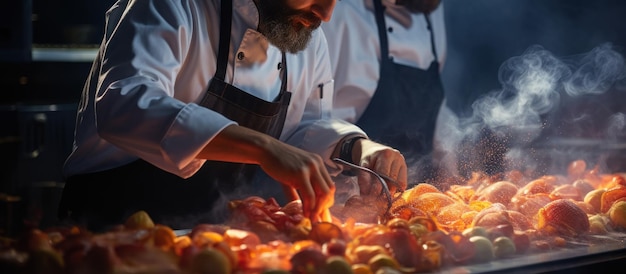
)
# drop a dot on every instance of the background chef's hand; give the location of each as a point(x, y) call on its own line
point(303, 175)
point(385, 161)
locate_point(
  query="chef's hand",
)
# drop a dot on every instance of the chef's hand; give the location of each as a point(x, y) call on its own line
point(302, 172)
point(304, 175)
point(385, 161)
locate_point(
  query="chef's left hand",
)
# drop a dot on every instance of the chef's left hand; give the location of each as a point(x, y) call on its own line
point(385, 161)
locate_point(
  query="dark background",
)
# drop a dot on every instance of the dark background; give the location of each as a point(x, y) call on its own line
point(482, 34)
point(38, 101)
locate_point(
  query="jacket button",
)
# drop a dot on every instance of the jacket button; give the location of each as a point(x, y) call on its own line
point(240, 55)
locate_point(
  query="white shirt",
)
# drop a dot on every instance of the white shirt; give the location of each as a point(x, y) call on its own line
point(157, 60)
point(354, 48)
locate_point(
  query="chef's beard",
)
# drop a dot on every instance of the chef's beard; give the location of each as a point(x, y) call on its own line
point(282, 27)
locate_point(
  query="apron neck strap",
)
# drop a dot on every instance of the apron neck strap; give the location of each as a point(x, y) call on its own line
point(379, 12)
point(225, 26)
point(226, 12)
point(283, 68)
point(432, 35)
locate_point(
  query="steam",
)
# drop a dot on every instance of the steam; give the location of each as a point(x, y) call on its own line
point(535, 87)
point(617, 126)
point(529, 89)
point(598, 71)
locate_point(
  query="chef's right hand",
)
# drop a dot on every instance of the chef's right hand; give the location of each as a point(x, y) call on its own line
point(304, 175)
point(302, 171)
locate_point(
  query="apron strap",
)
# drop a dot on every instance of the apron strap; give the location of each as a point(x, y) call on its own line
point(432, 36)
point(283, 68)
point(226, 11)
point(379, 12)
point(225, 27)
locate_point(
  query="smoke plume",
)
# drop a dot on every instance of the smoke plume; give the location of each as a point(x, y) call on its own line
point(542, 99)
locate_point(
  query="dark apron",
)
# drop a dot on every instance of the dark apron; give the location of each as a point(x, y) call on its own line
point(102, 199)
point(403, 111)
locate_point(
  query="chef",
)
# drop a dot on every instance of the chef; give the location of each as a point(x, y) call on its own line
point(386, 57)
point(186, 99)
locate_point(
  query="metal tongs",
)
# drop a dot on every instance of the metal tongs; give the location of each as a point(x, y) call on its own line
point(381, 178)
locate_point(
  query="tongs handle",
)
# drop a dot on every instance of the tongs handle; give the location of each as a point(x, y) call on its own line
point(382, 181)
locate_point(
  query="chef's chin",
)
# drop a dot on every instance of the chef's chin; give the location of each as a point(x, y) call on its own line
point(288, 37)
point(287, 29)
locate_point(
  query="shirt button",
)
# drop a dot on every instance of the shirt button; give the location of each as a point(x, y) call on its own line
point(240, 55)
point(280, 65)
point(390, 29)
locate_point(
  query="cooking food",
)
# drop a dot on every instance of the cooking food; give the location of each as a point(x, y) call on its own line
point(426, 229)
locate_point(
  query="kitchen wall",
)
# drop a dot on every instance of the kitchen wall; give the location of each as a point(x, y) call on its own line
point(45, 49)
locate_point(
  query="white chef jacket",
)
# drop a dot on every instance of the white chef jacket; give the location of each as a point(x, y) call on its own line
point(157, 58)
point(354, 48)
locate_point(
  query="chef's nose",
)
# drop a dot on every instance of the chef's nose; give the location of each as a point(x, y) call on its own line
point(324, 9)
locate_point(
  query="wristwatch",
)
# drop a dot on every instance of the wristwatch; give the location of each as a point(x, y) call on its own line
point(345, 152)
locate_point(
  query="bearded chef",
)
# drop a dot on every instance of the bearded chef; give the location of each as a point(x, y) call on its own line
point(187, 98)
point(387, 57)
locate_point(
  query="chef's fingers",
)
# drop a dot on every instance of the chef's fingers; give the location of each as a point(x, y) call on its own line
point(308, 196)
point(403, 176)
point(367, 183)
point(290, 193)
point(324, 190)
point(385, 167)
point(391, 164)
point(326, 216)
point(381, 161)
point(398, 172)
